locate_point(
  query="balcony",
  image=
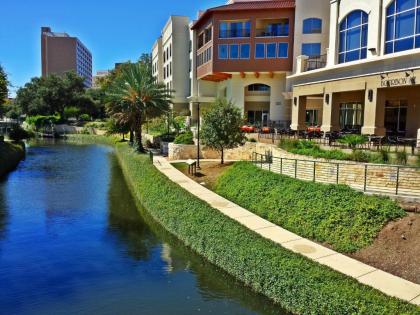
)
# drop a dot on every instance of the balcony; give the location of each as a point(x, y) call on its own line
point(272, 27)
point(272, 32)
point(315, 62)
point(235, 33)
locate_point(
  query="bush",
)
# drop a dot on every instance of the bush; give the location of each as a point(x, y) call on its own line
point(252, 140)
point(353, 140)
point(10, 156)
point(184, 138)
point(71, 112)
point(308, 148)
point(335, 214)
point(298, 284)
point(384, 156)
point(18, 133)
point(402, 157)
point(360, 156)
point(41, 121)
point(84, 117)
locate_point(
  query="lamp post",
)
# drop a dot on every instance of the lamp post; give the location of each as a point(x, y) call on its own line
point(198, 135)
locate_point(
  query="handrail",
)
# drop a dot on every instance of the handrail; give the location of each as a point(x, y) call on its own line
point(315, 62)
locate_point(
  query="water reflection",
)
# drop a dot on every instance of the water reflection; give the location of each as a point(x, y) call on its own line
point(3, 211)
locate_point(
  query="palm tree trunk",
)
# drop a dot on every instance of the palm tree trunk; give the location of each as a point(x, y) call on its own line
point(223, 157)
point(131, 136)
point(139, 143)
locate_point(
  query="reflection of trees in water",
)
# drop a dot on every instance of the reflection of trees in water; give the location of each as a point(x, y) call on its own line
point(213, 282)
point(124, 219)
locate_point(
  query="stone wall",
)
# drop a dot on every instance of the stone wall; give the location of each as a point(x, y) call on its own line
point(375, 178)
point(185, 152)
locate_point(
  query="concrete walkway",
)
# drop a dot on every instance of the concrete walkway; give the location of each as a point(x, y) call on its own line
point(378, 279)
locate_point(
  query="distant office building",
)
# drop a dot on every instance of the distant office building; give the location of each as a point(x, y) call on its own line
point(98, 76)
point(61, 53)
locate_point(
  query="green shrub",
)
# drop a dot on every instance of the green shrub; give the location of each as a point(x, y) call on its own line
point(335, 214)
point(360, 156)
point(298, 284)
point(308, 148)
point(18, 133)
point(385, 156)
point(10, 156)
point(252, 140)
point(402, 157)
point(184, 138)
point(84, 117)
point(40, 121)
point(353, 140)
point(71, 112)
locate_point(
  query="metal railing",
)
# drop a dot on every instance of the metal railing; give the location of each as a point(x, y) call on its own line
point(272, 33)
point(315, 62)
point(237, 33)
point(369, 178)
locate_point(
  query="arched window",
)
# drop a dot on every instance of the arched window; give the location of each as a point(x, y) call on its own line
point(353, 37)
point(312, 26)
point(402, 26)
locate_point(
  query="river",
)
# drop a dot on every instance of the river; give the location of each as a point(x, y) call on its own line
point(73, 241)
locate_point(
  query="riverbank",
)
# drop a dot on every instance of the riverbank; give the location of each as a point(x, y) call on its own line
point(294, 282)
point(10, 156)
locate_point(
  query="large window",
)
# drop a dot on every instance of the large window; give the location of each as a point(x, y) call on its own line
point(234, 29)
point(271, 50)
point(283, 50)
point(311, 49)
point(311, 117)
point(234, 51)
point(396, 117)
point(258, 87)
point(259, 51)
point(245, 51)
point(402, 26)
point(353, 37)
point(351, 116)
point(223, 51)
point(312, 26)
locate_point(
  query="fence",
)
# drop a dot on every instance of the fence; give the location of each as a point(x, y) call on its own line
point(372, 178)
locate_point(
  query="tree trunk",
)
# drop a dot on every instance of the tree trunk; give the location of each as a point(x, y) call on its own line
point(131, 136)
point(139, 143)
point(123, 134)
point(223, 157)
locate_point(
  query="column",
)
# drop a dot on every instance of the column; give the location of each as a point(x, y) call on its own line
point(279, 107)
point(298, 113)
point(333, 47)
point(374, 113)
point(330, 113)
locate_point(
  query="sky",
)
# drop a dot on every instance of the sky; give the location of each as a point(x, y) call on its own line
point(113, 30)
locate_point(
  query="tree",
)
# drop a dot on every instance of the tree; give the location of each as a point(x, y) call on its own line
point(222, 127)
point(4, 83)
point(114, 128)
point(52, 94)
point(134, 96)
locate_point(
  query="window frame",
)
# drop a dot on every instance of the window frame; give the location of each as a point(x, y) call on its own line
point(279, 50)
point(256, 50)
point(249, 51)
point(227, 51)
point(312, 29)
point(237, 49)
point(275, 50)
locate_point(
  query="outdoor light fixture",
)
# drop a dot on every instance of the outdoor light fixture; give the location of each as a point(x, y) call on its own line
point(370, 95)
point(295, 101)
point(383, 76)
point(198, 135)
point(327, 98)
point(413, 80)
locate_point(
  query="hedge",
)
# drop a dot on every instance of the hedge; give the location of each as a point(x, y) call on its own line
point(10, 156)
point(296, 283)
point(335, 214)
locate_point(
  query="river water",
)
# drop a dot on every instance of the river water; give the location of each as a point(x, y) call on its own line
point(73, 241)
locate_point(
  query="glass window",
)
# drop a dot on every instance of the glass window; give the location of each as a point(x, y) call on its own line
point(258, 87)
point(283, 50)
point(353, 37)
point(312, 117)
point(234, 51)
point(234, 29)
point(351, 116)
point(245, 51)
point(259, 51)
point(223, 51)
point(402, 25)
point(271, 50)
point(312, 26)
point(311, 49)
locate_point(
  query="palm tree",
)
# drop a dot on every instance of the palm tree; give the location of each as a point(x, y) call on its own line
point(134, 96)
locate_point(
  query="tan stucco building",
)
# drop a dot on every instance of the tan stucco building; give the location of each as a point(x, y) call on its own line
point(370, 81)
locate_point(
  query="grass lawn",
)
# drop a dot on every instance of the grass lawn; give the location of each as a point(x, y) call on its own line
point(10, 156)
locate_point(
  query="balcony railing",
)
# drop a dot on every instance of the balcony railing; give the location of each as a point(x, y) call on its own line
point(315, 62)
point(237, 33)
point(272, 33)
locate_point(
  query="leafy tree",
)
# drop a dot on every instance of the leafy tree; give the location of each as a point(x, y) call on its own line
point(50, 95)
point(4, 83)
point(114, 128)
point(71, 112)
point(135, 96)
point(222, 127)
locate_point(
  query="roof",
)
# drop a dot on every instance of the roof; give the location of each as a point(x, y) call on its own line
point(249, 5)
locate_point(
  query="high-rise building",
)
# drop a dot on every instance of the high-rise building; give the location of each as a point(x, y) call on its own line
point(61, 53)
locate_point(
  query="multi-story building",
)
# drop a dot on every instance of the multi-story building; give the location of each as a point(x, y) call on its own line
point(170, 57)
point(370, 80)
point(243, 51)
point(98, 76)
point(61, 53)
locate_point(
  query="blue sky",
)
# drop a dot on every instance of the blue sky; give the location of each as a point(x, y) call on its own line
point(113, 30)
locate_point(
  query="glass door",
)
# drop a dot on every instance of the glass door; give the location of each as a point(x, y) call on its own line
point(396, 118)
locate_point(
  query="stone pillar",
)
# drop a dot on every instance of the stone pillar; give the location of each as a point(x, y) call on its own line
point(236, 92)
point(298, 113)
point(279, 111)
point(418, 138)
point(330, 113)
point(374, 113)
point(300, 63)
point(333, 47)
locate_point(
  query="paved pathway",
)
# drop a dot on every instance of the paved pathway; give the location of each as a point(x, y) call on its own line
point(378, 279)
